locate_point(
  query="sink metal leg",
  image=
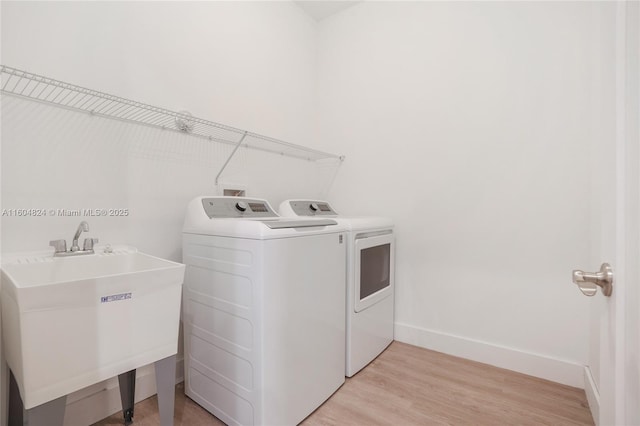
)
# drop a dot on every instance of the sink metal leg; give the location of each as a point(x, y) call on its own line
point(16, 409)
point(48, 414)
point(127, 382)
point(166, 386)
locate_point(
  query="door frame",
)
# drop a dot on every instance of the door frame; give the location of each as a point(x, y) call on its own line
point(615, 321)
point(627, 409)
point(614, 403)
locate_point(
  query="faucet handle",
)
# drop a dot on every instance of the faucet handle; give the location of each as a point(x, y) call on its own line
point(88, 243)
point(60, 246)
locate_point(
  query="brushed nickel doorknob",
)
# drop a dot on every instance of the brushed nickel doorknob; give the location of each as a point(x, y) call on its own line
point(587, 281)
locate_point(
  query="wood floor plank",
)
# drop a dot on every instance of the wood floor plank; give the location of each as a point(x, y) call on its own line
point(407, 385)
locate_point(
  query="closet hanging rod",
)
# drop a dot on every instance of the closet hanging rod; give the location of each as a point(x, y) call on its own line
point(39, 88)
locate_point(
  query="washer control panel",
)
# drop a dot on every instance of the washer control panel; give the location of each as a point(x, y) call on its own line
point(226, 207)
point(312, 208)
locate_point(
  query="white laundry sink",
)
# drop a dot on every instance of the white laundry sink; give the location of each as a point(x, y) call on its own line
point(69, 322)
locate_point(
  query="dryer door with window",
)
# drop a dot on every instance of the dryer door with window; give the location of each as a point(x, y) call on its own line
point(374, 274)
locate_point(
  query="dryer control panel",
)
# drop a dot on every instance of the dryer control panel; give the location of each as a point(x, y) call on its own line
point(230, 207)
point(311, 208)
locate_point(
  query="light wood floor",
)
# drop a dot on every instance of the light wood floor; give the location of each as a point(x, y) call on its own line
point(407, 385)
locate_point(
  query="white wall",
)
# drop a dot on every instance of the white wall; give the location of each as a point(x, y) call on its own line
point(245, 64)
point(250, 65)
point(470, 125)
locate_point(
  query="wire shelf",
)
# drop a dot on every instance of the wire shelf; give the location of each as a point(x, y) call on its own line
point(43, 89)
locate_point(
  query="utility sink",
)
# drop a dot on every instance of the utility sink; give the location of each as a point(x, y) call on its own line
point(69, 322)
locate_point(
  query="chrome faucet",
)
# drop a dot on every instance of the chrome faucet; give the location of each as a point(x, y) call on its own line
point(84, 226)
point(60, 246)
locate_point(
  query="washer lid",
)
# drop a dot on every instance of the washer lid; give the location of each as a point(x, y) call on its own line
point(280, 224)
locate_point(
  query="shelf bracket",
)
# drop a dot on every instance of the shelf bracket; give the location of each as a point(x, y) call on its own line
point(224, 166)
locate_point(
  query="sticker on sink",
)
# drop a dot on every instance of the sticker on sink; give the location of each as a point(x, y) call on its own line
point(115, 297)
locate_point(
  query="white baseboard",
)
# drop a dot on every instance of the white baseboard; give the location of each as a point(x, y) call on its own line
point(593, 395)
point(556, 370)
point(101, 400)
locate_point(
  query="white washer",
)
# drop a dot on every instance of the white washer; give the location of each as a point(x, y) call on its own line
point(370, 280)
point(263, 307)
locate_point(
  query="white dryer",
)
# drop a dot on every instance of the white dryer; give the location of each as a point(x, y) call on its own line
point(264, 323)
point(370, 279)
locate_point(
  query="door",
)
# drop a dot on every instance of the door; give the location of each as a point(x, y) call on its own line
point(374, 275)
point(612, 376)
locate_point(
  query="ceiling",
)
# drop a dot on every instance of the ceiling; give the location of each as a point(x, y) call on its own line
point(320, 9)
